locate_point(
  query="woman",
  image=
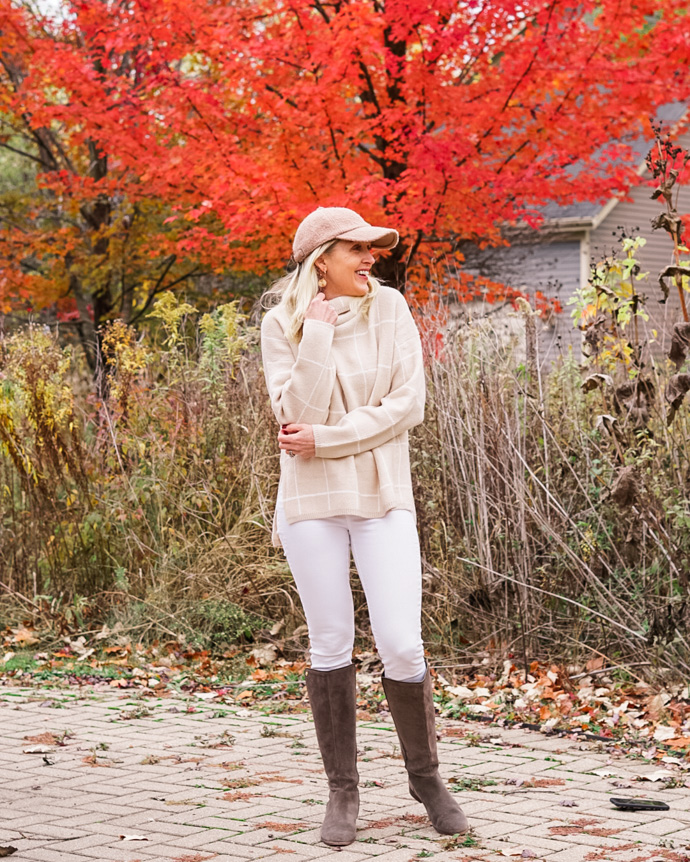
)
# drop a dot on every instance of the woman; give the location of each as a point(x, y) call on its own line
point(343, 366)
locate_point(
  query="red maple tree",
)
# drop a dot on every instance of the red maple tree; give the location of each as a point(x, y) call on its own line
point(149, 140)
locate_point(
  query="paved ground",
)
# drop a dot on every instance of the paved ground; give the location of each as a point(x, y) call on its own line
point(186, 780)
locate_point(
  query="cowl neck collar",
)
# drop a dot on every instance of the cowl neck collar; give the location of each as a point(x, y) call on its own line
point(341, 306)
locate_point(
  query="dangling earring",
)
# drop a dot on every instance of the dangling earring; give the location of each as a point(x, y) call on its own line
point(322, 280)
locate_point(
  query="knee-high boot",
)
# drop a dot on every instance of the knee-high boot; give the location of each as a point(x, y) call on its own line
point(332, 695)
point(412, 707)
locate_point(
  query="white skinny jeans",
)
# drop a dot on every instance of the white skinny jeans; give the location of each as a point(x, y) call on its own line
point(386, 553)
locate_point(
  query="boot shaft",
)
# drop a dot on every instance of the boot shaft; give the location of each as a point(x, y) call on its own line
point(412, 708)
point(333, 699)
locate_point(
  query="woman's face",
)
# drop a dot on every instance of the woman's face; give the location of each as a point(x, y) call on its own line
point(347, 265)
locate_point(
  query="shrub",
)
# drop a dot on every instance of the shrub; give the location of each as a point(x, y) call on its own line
point(552, 524)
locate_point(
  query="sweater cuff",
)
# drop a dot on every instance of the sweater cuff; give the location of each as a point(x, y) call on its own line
point(317, 431)
point(317, 337)
point(312, 324)
point(329, 442)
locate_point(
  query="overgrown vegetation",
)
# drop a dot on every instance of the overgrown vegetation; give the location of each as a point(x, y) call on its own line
point(149, 506)
point(554, 511)
point(546, 531)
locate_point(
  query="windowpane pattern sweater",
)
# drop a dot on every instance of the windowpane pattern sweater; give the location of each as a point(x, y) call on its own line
point(360, 384)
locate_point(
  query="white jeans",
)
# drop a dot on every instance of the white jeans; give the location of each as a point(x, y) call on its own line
point(386, 553)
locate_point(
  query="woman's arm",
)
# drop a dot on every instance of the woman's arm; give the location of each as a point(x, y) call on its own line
point(365, 428)
point(300, 389)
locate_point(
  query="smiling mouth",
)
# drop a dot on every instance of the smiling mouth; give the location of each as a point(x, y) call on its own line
point(363, 273)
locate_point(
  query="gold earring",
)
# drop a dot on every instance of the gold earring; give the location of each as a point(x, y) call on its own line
point(322, 280)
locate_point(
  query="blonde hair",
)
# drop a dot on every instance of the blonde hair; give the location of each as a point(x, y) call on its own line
point(298, 288)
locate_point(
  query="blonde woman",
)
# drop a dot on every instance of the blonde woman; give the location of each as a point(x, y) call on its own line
point(343, 366)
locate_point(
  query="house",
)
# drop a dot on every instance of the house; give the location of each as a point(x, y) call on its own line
point(556, 258)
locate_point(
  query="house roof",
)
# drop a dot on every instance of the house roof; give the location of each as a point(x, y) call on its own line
point(588, 213)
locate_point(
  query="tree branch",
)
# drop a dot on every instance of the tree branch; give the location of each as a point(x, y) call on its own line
point(370, 93)
point(161, 288)
point(22, 153)
point(322, 12)
point(533, 58)
point(277, 92)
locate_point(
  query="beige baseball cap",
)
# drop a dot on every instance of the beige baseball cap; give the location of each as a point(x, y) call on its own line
point(329, 223)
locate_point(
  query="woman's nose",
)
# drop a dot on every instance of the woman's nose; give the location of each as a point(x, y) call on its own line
point(369, 258)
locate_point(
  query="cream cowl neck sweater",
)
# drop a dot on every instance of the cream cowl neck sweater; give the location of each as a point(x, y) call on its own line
point(360, 384)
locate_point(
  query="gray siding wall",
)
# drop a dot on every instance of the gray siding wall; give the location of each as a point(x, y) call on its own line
point(554, 268)
point(558, 263)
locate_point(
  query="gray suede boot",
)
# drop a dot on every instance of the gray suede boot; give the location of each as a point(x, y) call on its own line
point(332, 694)
point(412, 707)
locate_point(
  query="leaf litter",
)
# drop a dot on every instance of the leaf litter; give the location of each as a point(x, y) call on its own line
point(577, 703)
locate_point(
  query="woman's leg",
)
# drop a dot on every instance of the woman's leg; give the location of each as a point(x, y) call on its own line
point(386, 551)
point(318, 552)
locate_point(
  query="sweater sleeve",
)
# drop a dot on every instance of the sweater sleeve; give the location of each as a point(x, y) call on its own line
point(365, 428)
point(300, 389)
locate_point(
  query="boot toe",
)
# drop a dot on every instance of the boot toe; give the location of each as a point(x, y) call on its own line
point(339, 826)
point(451, 823)
point(337, 835)
point(445, 814)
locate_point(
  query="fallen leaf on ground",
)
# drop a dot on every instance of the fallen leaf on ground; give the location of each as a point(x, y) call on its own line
point(46, 738)
point(270, 776)
point(263, 655)
point(663, 733)
point(194, 857)
point(7, 851)
point(536, 782)
point(237, 796)
point(133, 838)
point(383, 824)
point(414, 818)
point(182, 802)
point(23, 637)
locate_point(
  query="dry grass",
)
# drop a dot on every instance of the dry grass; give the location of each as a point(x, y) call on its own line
point(531, 545)
point(152, 506)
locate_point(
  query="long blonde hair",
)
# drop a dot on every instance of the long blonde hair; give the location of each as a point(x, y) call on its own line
point(298, 288)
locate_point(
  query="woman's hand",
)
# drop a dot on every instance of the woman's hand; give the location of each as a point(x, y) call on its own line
point(297, 439)
point(319, 309)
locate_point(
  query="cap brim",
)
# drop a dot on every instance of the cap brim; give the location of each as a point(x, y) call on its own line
point(380, 237)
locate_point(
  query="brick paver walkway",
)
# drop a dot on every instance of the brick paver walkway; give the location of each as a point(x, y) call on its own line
point(233, 784)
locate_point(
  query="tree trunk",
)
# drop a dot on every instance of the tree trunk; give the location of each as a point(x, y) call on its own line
point(392, 268)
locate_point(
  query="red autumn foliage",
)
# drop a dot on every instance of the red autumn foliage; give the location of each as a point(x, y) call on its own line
point(160, 138)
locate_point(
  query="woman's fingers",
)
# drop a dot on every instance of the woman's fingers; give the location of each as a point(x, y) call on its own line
point(319, 309)
point(295, 443)
point(298, 439)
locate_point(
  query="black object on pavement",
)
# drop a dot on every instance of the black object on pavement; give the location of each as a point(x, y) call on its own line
point(630, 804)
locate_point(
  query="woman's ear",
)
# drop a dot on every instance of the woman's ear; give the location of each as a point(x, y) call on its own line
point(320, 264)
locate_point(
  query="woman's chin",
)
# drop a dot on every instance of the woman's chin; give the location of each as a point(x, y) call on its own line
point(354, 290)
